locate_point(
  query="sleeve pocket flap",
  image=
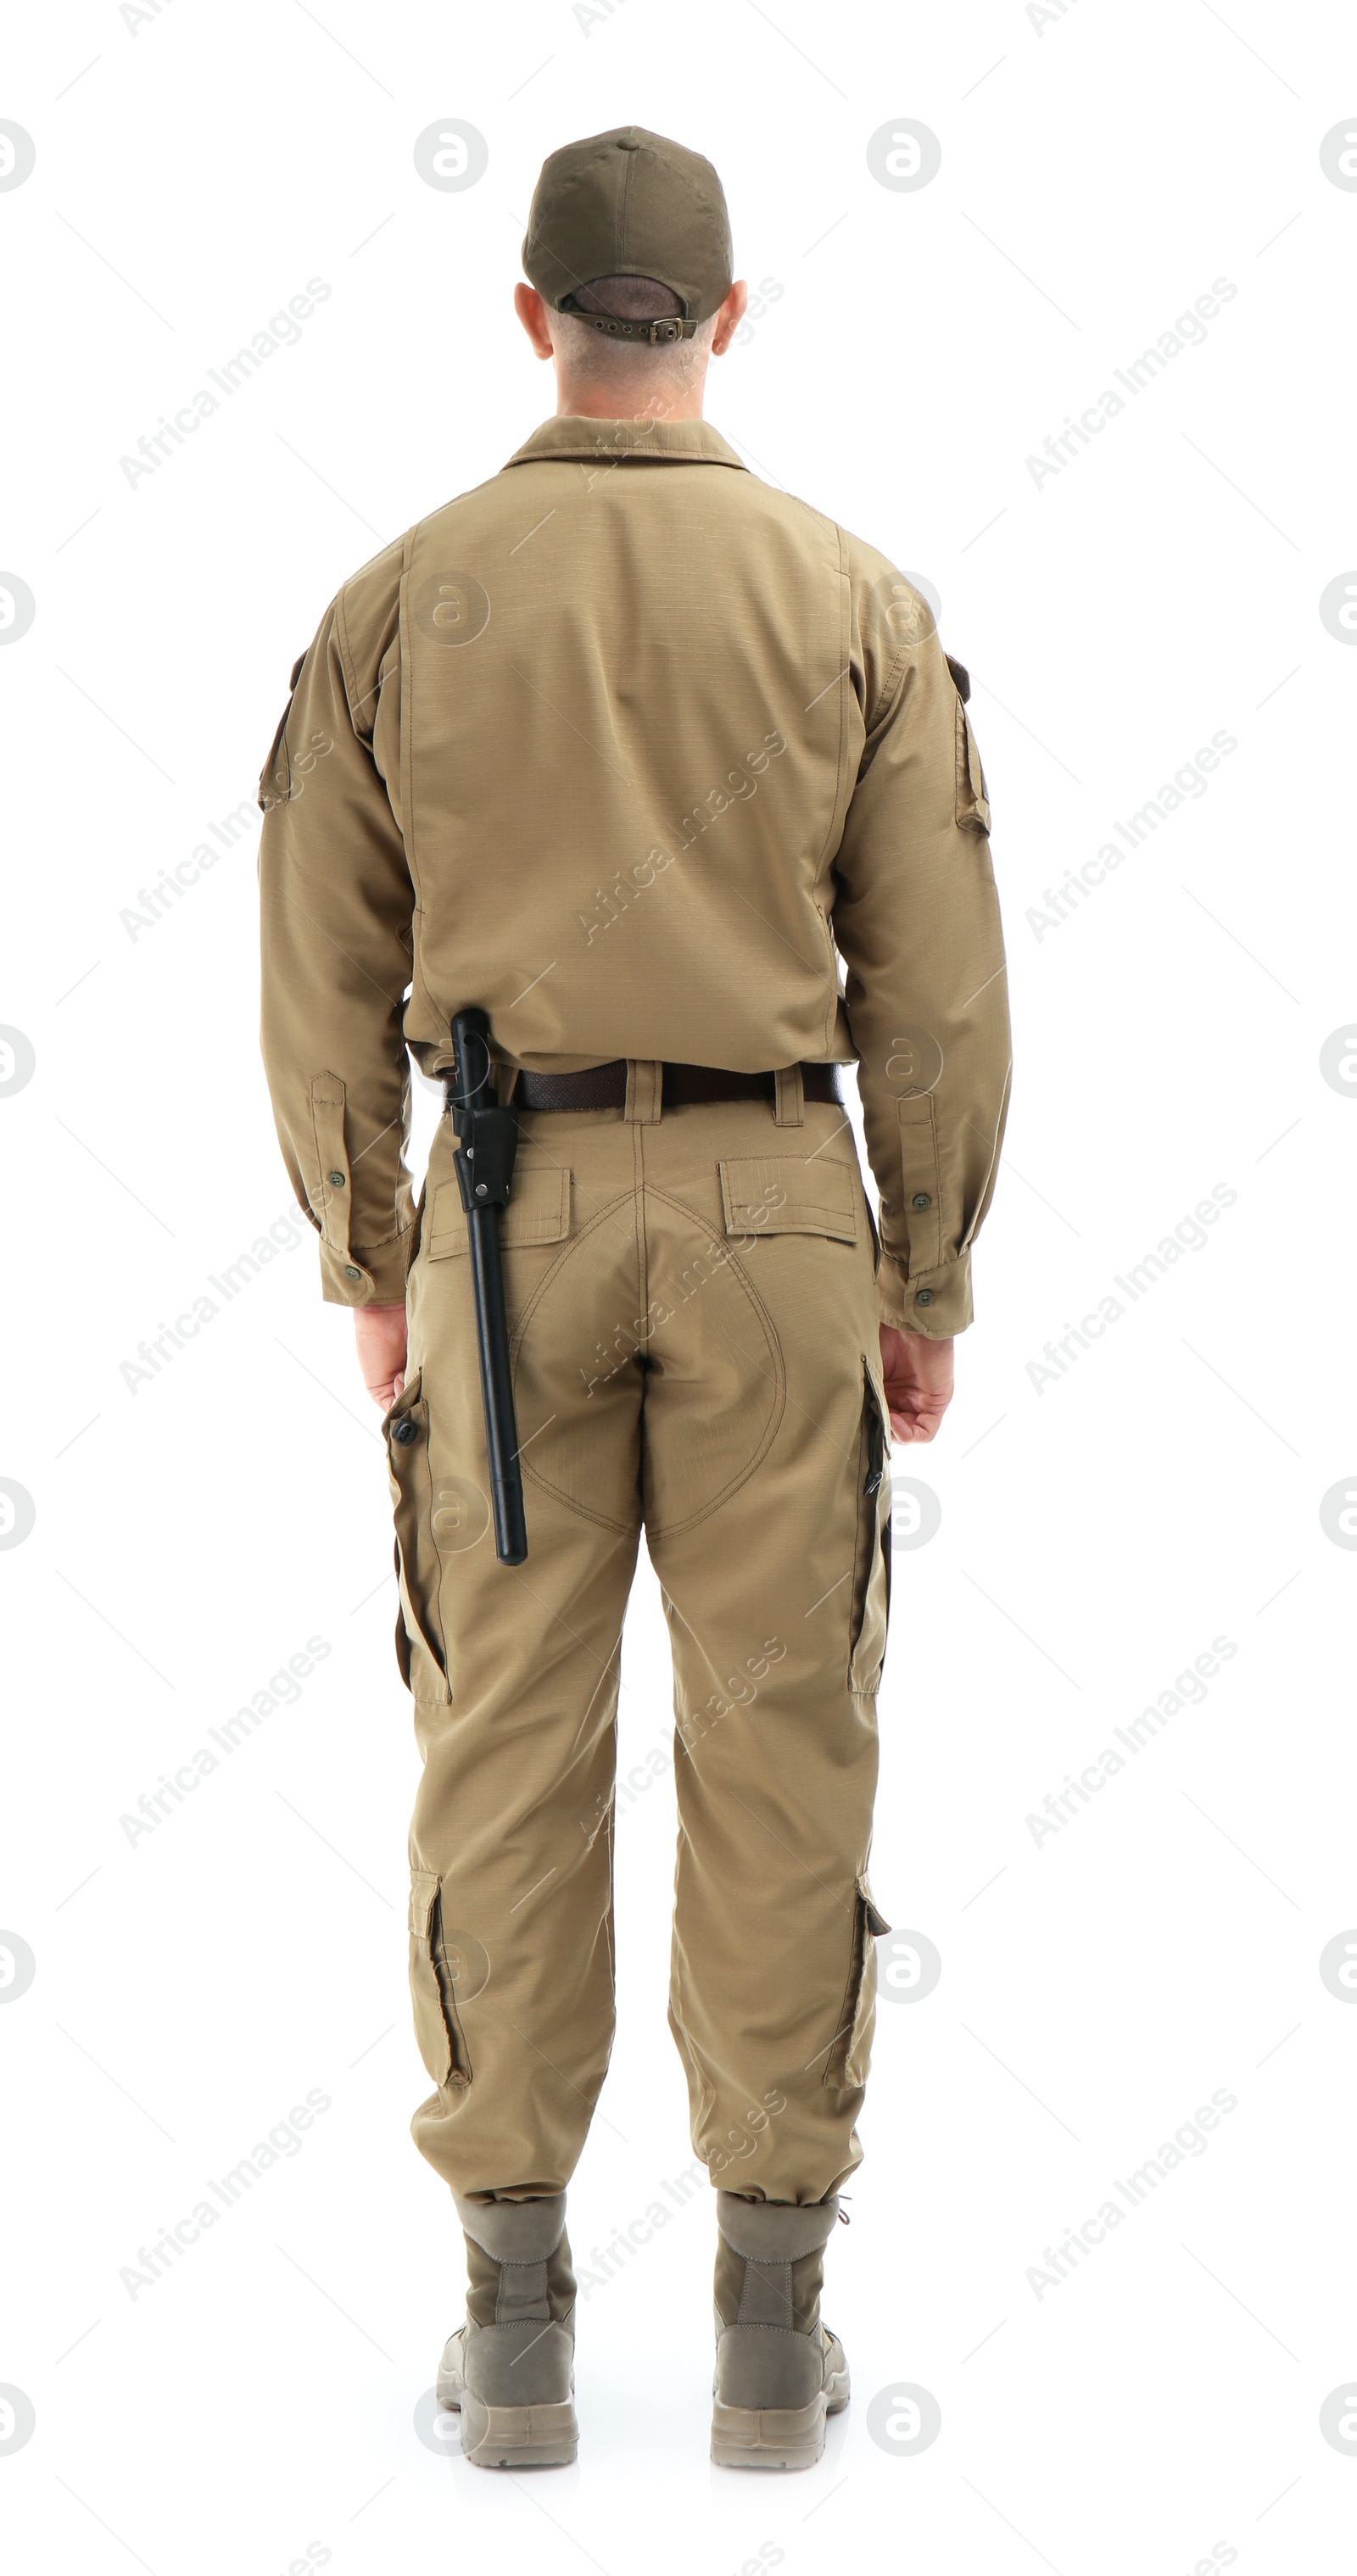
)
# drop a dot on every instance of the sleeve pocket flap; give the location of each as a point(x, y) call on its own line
point(538, 1210)
point(922, 1181)
point(784, 1194)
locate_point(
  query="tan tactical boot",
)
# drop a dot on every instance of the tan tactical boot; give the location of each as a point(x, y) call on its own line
point(779, 2372)
point(509, 2371)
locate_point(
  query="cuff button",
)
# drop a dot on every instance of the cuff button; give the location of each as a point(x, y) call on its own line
point(924, 1297)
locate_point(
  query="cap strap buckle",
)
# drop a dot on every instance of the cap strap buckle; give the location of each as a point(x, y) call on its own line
point(669, 328)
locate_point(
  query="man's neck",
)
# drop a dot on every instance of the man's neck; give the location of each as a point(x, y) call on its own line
point(593, 401)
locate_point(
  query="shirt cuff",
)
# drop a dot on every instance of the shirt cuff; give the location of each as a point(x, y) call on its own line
point(936, 1303)
point(373, 1276)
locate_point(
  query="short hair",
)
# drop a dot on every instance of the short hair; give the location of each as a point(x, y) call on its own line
point(630, 299)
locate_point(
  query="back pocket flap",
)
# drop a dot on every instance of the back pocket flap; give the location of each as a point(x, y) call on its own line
point(538, 1210)
point(786, 1194)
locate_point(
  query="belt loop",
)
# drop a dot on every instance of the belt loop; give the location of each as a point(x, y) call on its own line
point(645, 1084)
point(506, 1083)
point(789, 1097)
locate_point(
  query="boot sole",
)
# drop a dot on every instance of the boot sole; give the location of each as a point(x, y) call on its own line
point(776, 2437)
point(518, 2437)
point(768, 2437)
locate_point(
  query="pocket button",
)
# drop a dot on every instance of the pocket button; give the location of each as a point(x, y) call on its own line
point(405, 1432)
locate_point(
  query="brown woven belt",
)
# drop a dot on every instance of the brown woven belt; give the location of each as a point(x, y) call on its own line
point(604, 1086)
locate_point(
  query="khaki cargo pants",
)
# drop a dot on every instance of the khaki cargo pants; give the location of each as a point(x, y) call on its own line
point(693, 1316)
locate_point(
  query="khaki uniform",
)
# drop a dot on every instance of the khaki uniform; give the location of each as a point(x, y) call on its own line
point(623, 747)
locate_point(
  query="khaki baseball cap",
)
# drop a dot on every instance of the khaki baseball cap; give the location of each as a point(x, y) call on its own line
point(630, 204)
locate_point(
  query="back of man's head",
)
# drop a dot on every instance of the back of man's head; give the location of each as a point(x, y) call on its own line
point(627, 229)
point(635, 366)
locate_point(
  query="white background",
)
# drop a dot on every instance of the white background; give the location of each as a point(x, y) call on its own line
point(1099, 171)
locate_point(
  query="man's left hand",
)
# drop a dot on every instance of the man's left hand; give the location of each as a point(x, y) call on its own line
point(919, 1380)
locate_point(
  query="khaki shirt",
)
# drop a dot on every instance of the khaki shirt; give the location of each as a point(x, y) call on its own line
point(630, 749)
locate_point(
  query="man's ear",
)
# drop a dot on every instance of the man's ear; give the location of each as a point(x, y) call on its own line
point(532, 313)
point(729, 318)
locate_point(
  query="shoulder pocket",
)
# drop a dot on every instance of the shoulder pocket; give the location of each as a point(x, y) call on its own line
point(786, 1194)
point(275, 778)
point(972, 798)
point(538, 1210)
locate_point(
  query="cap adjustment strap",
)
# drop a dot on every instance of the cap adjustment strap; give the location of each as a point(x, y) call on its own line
point(671, 327)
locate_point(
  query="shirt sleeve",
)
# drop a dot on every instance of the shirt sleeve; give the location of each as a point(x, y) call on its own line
point(916, 920)
point(336, 911)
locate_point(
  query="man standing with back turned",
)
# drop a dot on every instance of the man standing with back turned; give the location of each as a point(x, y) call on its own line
point(626, 748)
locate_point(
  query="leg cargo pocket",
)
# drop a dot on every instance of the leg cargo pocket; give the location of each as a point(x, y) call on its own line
point(871, 1594)
point(846, 2066)
point(419, 1638)
point(442, 2044)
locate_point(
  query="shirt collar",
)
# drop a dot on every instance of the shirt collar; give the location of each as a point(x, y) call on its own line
point(669, 442)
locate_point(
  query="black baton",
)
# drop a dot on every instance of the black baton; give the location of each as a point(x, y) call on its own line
point(484, 1168)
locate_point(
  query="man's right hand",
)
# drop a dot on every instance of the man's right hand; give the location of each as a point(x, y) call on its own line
point(380, 1334)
